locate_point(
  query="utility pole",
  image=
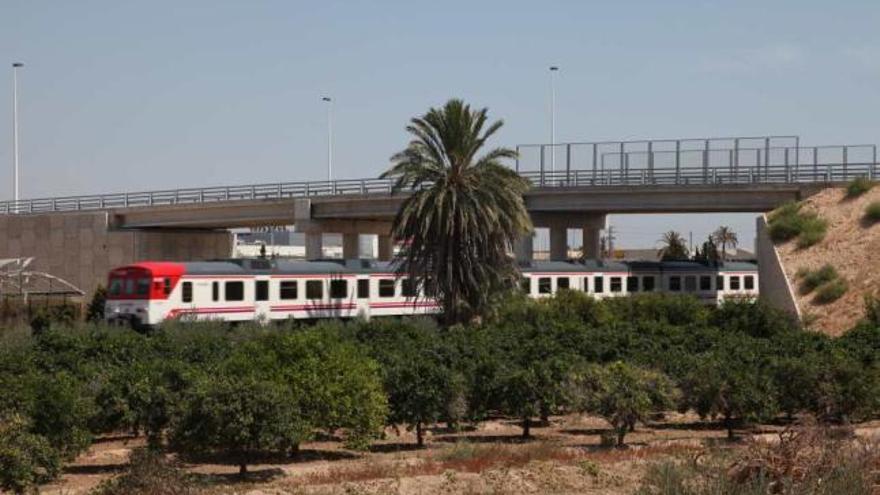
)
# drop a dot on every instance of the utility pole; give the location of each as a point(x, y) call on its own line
point(690, 242)
point(15, 158)
point(553, 71)
point(329, 136)
point(611, 239)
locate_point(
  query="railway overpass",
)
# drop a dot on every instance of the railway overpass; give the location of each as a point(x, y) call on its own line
point(81, 237)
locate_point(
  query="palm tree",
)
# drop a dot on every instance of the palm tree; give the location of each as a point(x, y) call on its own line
point(464, 212)
point(674, 247)
point(725, 236)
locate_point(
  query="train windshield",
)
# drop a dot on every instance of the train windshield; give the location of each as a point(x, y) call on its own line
point(115, 288)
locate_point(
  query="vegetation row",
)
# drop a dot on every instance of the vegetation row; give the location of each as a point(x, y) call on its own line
point(244, 392)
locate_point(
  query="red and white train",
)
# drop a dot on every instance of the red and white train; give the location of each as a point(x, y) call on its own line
point(147, 293)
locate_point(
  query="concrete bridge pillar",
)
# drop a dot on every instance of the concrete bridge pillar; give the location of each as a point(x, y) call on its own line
point(591, 242)
point(386, 248)
point(351, 248)
point(558, 242)
point(314, 245)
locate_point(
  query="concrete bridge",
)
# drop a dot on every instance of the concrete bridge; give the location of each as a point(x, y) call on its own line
point(80, 238)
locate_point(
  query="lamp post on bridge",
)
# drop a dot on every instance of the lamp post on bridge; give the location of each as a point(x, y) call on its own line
point(15, 158)
point(329, 102)
point(553, 70)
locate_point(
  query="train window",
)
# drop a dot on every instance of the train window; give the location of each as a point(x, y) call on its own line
point(338, 289)
point(525, 284)
point(115, 287)
point(563, 283)
point(143, 287)
point(705, 282)
point(734, 283)
point(363, 289)
point(233, 291)
point(648, 283)
point(719, 283)
point(215, 291)
point(598, 285)
point(187, 292)
point(408, 287)
point(129, 287)
point(690, 283)
point(386, 287)
point(632, 284)
point(616, 284)
point(262, 290)
point(586, 285)
point(167, 288)
point(545, 285)
point(749, 282)
point(314, 289)
point(675, 284)
point(288, 289)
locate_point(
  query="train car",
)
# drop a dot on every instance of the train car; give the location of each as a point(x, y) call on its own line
point(147, 293)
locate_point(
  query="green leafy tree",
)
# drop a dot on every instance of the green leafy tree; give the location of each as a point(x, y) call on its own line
point(845, 390)
point(60, 407)
point(336, 384)
point(415, 372)
point(621, 393)
point(733, 381)
point(464, 212)
point(724, 236)
point(673, 247)
point(534, 355)
point(26, 459)
point(239, 416)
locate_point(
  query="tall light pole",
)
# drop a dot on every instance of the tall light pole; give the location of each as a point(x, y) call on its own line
point(329, 102)
point(553, 71)
point(15, 67)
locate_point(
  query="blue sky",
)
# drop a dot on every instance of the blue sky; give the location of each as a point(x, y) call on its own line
point(143, 95)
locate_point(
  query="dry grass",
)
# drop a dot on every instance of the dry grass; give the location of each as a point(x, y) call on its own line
point(851, 246)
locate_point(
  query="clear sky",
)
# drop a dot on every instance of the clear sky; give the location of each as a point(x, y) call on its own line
point(122, 95)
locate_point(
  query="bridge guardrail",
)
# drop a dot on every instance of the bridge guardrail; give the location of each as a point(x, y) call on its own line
point(635, 163)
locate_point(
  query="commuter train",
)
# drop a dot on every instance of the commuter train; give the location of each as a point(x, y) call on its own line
point(147, 293)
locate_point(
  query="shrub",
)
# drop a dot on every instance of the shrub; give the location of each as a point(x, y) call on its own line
point(26, 459)
point(790, 221)
point(872, 212)
point(148, 473)
point(858, 186)
point(95, 310)
point(810, 279)
point(831, 291)
point(813, 230)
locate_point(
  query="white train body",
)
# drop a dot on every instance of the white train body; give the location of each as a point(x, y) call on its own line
point(264, 290)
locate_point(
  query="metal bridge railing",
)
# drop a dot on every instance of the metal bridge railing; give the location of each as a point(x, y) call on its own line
point(711, 161)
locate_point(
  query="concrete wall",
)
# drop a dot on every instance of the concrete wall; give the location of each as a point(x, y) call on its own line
point(773, 284)
point(81, 249)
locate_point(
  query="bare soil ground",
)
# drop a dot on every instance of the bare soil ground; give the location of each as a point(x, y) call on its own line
point(851, 245)
point(563, 458)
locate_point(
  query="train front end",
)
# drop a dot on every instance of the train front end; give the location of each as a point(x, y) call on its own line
point(137, 295)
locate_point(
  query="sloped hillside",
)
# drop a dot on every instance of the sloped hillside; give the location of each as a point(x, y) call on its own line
point(851, 246)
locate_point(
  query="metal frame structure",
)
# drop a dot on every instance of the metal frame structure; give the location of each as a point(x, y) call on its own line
point(679, 162)
point(16, 280)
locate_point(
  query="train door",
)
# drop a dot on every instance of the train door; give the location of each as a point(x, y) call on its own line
point(362, 296)
point(261, 298)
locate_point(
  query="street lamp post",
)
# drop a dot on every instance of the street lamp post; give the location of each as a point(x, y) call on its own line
point(329, 102)
point(553, 71)
point(15, 159)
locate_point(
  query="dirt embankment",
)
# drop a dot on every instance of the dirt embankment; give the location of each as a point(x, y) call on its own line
point(851, 246)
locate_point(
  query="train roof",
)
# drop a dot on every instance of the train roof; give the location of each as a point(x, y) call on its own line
point(283, 266)
point(254, 266)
